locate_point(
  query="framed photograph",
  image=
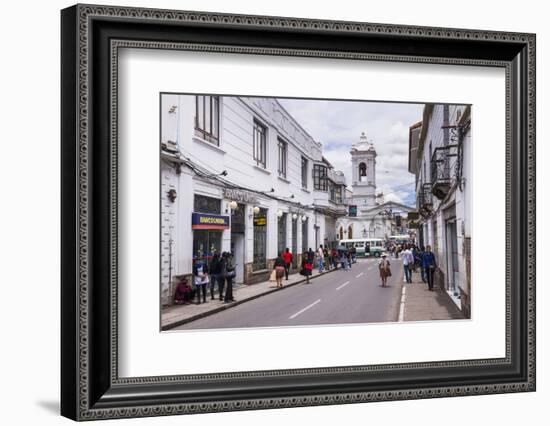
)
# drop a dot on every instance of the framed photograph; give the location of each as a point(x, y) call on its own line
point(264, 212)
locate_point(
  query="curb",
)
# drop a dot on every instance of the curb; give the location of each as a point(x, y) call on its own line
point(177, 323)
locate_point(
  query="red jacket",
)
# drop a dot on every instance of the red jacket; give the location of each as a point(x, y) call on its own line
point(287, 257)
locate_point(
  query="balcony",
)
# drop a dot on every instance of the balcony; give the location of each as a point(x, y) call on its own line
point(443, 164)
point(425, 198)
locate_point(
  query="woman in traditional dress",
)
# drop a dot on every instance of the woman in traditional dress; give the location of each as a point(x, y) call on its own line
point(385, 271)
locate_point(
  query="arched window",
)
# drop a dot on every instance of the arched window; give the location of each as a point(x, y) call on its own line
point(341, 232)
point(350, 232)
point(362, 169)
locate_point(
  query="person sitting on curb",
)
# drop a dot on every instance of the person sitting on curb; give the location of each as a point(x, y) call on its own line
point(184, 293)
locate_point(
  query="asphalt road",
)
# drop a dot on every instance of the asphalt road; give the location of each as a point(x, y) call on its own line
point(340, 297)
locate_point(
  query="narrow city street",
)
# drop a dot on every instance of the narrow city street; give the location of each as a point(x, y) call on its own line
point(340, 297)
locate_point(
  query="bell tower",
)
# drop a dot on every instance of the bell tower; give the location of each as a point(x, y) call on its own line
point(363, 160)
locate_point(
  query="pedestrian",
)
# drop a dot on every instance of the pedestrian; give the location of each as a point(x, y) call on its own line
point(349, 258)
point(216, 276)
point(287, 257)
point(343, 260)
point(429, 265)
point(320, 258)
point(334, 256)
point(408, 261)
point(228, 273)
point(311, 256)
point(419, 255)
point(353, 252)
point(279, 268)
point(307, 266)
point(414, 252)
point(326, 256)
point(385, 270)
point(200, 271)
point(184, 293)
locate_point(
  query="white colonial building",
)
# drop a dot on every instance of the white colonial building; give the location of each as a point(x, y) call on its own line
point(369, 216)
point(241, 175)
point(440, 157)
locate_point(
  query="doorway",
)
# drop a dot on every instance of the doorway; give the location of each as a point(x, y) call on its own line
point(238, 241)
point(452, 258)
point(237, 248)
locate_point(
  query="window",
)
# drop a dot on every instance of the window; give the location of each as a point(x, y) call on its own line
point(205, 244)
point(259, 136)
point(282, 157)
point(362, 172)
point(320, 177)
point(207, 118)
point(304, 172)
point(332, 191)
point(338, 191)
point(207, 204)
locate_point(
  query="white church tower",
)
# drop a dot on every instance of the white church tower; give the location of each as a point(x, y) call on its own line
point(363, 160)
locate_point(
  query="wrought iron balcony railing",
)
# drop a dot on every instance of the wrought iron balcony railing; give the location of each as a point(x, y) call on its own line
point(443, 171)
point(425, 198)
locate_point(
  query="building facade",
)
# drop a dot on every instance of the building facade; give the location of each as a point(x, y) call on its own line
point(240, 175)
point(368, 215)
point(440, 157)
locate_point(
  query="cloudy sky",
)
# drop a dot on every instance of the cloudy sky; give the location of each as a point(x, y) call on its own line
point(338, 125)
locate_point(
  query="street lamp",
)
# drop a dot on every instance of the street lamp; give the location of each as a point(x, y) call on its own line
point(256, 210)
point(233, 205)
point(279, 213)
point(294, 216)
point(304, 218)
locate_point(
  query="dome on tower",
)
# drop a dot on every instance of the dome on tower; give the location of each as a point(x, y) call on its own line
point(363, 145)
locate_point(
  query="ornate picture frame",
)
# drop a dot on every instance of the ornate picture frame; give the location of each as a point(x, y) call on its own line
point(91, 38)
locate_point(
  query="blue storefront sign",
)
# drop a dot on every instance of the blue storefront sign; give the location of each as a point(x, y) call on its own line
point(352, 211)
point(209, 221)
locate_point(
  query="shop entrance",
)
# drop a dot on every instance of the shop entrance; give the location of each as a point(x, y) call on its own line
point(237, 248)
point(237, 241)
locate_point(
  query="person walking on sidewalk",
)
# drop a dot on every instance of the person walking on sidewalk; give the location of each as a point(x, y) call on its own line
point(307, 266)
point(385, 270)
point(408, 261)
point(429, 265)
point(200, 271)
point(320, 258)
point(334, 258)
point(216, 276)
point(418, 259)
point(287, 257)
point(280, 268)
point(326, 256)
point(228, 273)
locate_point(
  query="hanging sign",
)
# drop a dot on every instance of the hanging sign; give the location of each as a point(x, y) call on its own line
point(209, 221)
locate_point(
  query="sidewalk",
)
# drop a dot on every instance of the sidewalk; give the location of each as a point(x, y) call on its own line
point(420, 304)
point(176, 315)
